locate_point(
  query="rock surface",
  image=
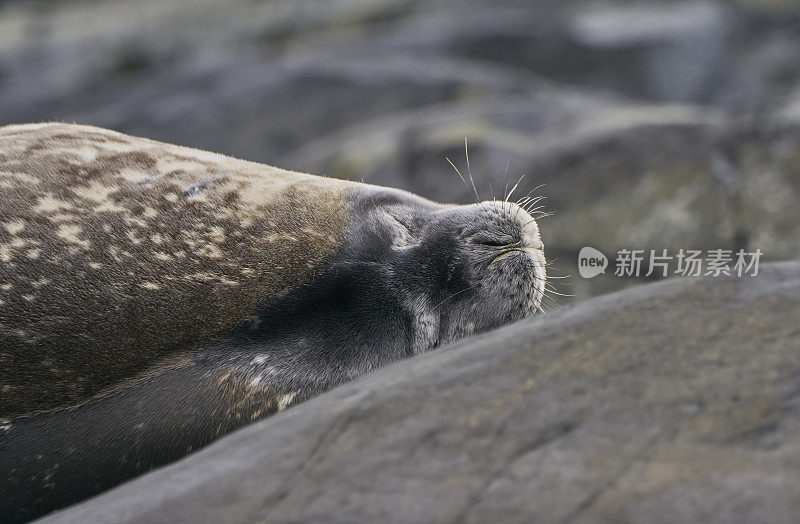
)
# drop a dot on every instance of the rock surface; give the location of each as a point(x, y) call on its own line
point(673, 402)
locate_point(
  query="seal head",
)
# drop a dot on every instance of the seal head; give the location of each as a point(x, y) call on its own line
point(411, 275)
point(461, 269)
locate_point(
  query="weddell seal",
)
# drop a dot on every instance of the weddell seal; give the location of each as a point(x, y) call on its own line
point(154, 297)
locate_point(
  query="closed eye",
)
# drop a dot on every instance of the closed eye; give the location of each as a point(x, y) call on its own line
point(496, 241)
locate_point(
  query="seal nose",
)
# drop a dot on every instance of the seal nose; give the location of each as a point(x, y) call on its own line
point(529, 229)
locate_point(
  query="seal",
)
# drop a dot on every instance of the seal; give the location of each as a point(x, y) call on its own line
point(154, 297)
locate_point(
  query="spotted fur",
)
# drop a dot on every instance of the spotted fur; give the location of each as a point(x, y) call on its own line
point(117, 250)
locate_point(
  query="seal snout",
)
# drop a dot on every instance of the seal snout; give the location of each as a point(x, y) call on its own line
point(512, 223)
point(515, 258)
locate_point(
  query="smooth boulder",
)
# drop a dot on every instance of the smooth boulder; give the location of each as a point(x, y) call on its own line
point(671, 402)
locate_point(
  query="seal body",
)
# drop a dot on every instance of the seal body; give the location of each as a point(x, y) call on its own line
point(154, 297)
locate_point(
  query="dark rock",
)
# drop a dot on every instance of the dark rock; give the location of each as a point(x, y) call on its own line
point(673, 402)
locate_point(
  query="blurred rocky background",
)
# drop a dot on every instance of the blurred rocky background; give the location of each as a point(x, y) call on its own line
point(650, 124)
